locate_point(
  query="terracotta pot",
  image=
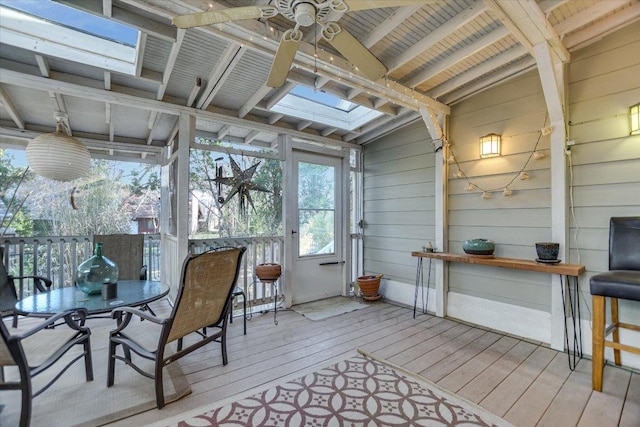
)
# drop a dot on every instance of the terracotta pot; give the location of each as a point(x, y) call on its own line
point(268, 271)
point(369, 286)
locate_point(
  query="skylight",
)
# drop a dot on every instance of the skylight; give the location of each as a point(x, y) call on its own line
point(318, 106)
point(56, 30)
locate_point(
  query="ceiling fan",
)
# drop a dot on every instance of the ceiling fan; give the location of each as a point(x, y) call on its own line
point(304, 13)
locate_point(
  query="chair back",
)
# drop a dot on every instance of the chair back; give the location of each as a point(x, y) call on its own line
point(624, 243)
point(8, 295)
point(6, 358)
point(126, 250)
point(204, 296)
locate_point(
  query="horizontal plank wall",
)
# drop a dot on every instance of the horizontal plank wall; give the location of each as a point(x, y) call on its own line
point(516, 110)
point(399, 207)
point(604, 81)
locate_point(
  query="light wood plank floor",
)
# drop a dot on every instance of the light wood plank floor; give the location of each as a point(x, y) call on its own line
point(526, 383)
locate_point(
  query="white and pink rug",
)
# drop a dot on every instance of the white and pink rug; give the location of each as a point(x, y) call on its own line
point(360, 391)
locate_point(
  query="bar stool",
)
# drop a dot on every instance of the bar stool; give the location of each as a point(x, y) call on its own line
point(622, 281)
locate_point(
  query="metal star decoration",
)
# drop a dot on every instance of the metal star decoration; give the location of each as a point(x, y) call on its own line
point(240, 184)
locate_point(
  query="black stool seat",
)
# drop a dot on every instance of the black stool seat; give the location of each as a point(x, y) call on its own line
point(624, 284)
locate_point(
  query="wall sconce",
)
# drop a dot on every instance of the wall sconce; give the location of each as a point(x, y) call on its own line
point(490, 145)
point(634, 119)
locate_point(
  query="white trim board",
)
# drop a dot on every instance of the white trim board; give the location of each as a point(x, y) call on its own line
point(511, 319)
point(506, 318)
point(403, 293)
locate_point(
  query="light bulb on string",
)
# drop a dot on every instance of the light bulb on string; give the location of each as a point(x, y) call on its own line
point(524, 176)
point(459, 174)
point(507, 192)
point(470, 187)
point(486, 195)
point(537, 155)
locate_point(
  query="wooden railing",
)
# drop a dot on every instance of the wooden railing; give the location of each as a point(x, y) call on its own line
point(58, 258)
point(259, 250)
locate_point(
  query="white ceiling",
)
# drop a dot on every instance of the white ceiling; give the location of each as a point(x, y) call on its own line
point(437, 54)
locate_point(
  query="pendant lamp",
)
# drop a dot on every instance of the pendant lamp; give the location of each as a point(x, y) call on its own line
point(58, 156)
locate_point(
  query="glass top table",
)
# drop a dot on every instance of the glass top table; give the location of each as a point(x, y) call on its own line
point(132, 293)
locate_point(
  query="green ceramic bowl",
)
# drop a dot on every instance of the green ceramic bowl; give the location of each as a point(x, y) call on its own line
point(479, 247)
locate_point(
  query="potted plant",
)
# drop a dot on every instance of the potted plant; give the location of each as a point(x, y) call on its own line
point(369, 286)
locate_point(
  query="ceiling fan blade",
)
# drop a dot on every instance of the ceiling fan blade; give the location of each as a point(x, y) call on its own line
point(284, 57)
point(354, 51)
point(224, 15)
point(378, 4)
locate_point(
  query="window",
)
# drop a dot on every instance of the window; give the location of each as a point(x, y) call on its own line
point(56, 30)
point(318, 106)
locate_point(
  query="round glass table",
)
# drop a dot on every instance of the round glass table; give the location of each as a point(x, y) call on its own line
point(132, 293)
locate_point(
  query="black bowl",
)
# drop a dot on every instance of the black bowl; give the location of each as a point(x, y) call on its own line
point(547, 250)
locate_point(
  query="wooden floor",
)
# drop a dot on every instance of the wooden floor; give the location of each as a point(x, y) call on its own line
point(525, 383)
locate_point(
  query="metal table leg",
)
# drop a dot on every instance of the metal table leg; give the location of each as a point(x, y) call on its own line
point(420, 283)
point(275, 302)
point(572, 298)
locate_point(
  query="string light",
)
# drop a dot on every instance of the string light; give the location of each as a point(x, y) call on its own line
point(521, 174)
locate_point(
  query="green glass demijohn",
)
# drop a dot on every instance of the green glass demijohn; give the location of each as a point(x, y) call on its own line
point(95, 271)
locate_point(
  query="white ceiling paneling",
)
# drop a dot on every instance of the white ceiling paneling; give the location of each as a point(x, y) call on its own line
point(448, 50)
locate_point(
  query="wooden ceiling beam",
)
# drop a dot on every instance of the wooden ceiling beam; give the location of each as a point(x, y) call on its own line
point(219, 74)
point(594, 32)
point(10, 108)
point(478, 71)
point(459, 56)
point(529, 25)
point(36, 82)
point(435, 36)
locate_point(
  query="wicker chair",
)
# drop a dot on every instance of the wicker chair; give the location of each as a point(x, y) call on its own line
point(127, 251)
point(50, 347)
point(203, 301)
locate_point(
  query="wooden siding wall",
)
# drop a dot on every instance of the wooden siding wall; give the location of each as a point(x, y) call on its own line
point(604, 81)
point(399, 202)
point(516, 110)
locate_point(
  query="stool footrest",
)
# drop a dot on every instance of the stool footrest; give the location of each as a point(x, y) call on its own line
point(623, 347)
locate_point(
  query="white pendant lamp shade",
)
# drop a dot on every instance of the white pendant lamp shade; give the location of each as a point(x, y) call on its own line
point(58, 156)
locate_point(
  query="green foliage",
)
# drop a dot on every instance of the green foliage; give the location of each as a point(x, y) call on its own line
point(147, 178)
point(10, 179)
point(94, 204)
point(219, 217)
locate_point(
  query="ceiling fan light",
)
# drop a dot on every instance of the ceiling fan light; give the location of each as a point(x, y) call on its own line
point(305, 14)
point(58, 156)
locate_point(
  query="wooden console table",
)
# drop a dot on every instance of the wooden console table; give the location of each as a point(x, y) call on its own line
point(570, 272)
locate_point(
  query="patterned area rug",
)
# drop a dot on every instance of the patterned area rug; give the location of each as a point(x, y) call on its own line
point(323, 309)
point(360, 391)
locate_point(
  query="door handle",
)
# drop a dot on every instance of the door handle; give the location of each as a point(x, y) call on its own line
point(294, 232)
point(332, 263)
